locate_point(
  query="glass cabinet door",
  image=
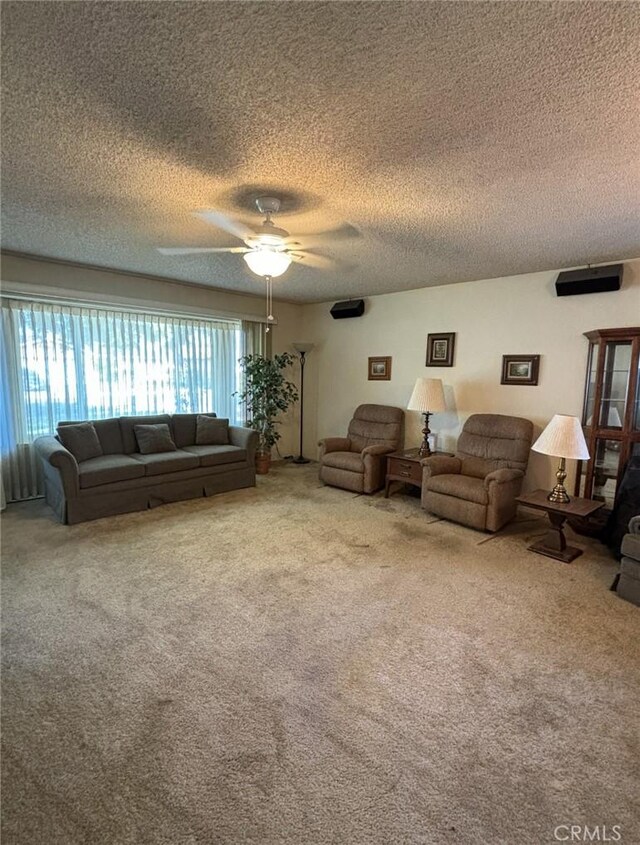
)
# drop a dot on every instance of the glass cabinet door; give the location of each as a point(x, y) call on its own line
point(590, 392)
point(606, 466)
point(615, 384)
point(581, 479)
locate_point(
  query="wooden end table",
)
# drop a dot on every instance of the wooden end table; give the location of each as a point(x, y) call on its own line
point(554, 543)
point(406, 468)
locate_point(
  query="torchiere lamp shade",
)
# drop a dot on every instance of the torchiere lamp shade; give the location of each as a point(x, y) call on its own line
point(427, 396)
point(563, 438)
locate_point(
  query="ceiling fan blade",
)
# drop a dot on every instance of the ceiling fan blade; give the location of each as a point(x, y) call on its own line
point(194, 250)
point(319, 262)
point(228, 224)
point(342, 233)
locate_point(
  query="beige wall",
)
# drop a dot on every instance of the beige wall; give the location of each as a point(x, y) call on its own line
point(49, 278)
point(516, 315)
point(519, 315)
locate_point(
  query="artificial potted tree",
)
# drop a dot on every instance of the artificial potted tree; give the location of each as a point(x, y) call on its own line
point(267, 394)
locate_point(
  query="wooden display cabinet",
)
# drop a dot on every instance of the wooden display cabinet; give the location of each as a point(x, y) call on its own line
point(611, 412)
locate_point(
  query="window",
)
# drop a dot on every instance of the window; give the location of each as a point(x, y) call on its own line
point(75, 363)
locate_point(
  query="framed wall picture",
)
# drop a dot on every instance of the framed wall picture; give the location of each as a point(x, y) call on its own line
point(520, 369)
point(380, 368)
point(440, 349)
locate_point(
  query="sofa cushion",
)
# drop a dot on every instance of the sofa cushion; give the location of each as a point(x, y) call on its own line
point(461, 486)
point(351, 461)
point(211, 431)
point(109, 435)
point(146, 481)
point(154, 438)
point(127, 424)
point(107, 469)
point(161, 462)
point(108, 432)
point(81, 440)
point(184, 429)
point(213, 455)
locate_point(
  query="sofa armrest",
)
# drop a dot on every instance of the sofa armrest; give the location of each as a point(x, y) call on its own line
point(244, 438)
point(502, 476)
point(54, 453)
point(634, 525)
point(377, 449)
point(334, 444)
point(440, 465)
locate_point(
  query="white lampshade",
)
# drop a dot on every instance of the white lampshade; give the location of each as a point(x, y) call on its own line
point(302, 347)
point(427, 396)
point(563, 438)
point(267, 262)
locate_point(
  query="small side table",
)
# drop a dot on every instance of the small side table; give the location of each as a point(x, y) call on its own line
point(406, 468)
point(554, 543)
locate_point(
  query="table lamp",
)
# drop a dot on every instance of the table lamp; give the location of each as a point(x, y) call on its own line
point(428, 398)
point(562, 438)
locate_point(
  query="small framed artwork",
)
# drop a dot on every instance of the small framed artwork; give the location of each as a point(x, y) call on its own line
point(520, 369)
point(380, 369)
point(440, 349)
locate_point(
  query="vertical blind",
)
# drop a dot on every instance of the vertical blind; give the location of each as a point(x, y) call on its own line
point(60, 362)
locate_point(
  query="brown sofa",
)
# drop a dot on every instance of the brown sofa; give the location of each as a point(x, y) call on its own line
point(122, 480)
point(479, 485)
point(357, 462)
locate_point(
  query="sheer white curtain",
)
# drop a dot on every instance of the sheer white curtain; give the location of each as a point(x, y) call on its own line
point(254, 338)
point(60, 362)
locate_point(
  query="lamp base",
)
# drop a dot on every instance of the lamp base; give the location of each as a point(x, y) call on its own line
point(559, 495)
point(300, 460)
point(425, 450)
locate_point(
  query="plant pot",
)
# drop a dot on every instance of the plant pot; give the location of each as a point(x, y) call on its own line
point(263, 462)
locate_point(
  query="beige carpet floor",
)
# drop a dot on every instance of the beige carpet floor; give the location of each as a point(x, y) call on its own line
point(298, 664)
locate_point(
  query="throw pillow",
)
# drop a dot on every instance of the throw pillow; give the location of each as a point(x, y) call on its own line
point(154, 438)
point(211, 431)
point(81, 440)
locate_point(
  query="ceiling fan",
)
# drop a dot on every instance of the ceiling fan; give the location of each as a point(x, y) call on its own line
point(268, 250)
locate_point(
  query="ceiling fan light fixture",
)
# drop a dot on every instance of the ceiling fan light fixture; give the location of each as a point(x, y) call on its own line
point(266, 240)
point(267, 262)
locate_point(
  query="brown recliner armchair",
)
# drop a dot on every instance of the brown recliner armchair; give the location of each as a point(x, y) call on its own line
point(478, 486)
point(357, 462)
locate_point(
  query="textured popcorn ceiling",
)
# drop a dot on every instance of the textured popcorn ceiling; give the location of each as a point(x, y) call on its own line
point(462, 140)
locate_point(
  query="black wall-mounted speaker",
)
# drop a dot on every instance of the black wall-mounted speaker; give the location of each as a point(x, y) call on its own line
point(350, 308)
point(592, 280)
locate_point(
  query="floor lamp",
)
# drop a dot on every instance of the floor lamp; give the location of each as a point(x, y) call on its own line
point(302, 349)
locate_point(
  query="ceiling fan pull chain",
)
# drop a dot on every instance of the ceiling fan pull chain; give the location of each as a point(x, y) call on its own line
point(270, 288)
point(269, 301)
